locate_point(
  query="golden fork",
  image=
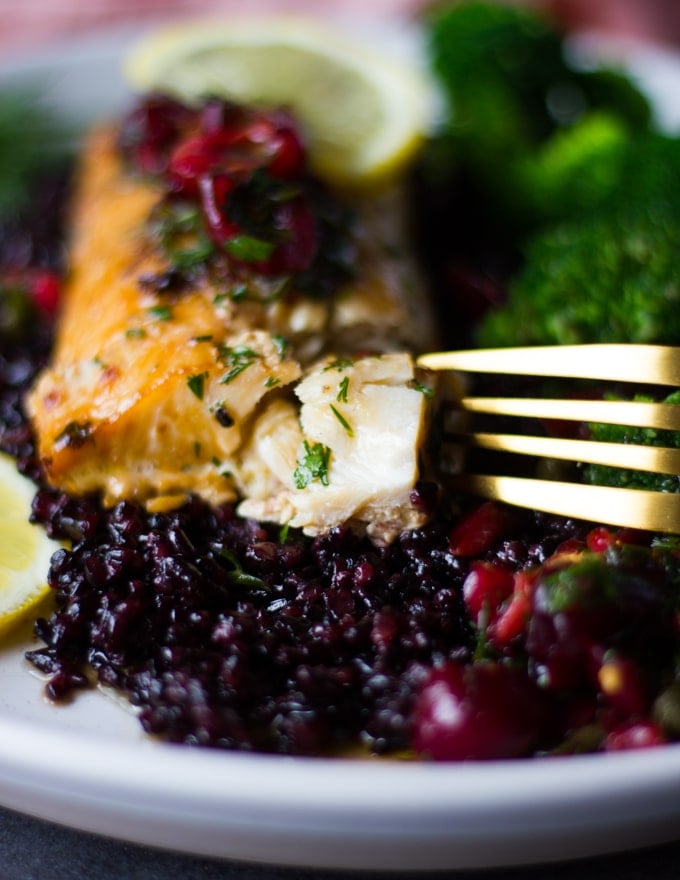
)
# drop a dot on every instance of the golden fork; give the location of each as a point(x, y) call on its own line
point(639, 364)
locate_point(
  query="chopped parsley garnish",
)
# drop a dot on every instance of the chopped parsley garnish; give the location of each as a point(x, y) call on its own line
point(161, 313)
point(237, 359)
point(418, 386)
point(187, 258)
point(314, 466)
point(73, 436)
point(343, 421)
point(196, 384)
point(272, 382)
point(135, 333)
point(342, 390)
point(179, 227)
point(239, 292)
point(281, 344)
point(249, 249)
point(239, 577)
point(206, 338)
point(340, 363)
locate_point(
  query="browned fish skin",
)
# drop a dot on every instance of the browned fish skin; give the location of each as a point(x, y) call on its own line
point(138, 401)
point(116, 411)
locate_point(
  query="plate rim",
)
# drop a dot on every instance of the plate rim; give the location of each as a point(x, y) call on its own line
point(329, 812)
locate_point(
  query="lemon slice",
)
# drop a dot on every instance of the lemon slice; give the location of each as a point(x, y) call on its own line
point(25, 549)
point(364, 113)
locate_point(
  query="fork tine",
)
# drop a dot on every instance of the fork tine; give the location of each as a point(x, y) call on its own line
point(658, 459)
point(613, 412)
point(656, 364)
point(655, 511)
point(634, 508)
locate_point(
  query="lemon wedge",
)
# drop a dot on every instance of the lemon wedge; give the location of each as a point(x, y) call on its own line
point(25, 549)
point(363, 112)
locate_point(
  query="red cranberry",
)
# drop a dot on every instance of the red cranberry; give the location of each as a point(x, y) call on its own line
point(285, 150)
point(570, 546)
point(601, 607)
point(485, 588)
point(479, 530)
point(236, 149)
point(214, 191)
point(217, 154)
point(635, 735)
point(600, 539)
point(46, 291)
point(151, 130)
point(484, 711)
point(511, 623)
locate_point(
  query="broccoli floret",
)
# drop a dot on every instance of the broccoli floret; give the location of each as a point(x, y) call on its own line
point(599, 165)
point(577, 170)
point(508, 90)
point(605, 280)
point(495, 65)
point(503, 68)
point(650, 178)
point(611, 276)
point(609, 476)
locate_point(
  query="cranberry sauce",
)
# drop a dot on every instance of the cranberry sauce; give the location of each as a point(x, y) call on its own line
point(575, 653)
point(238, 181)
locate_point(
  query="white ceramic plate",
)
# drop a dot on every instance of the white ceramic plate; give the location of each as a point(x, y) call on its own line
point(88, 765)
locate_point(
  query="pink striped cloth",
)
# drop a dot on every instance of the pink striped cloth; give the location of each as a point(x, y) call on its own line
point(33, 22)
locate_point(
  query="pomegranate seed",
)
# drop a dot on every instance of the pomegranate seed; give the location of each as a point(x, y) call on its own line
point(193, 160)
point(512, 622)
point(46, 292)
point(570, 547)
point(214, 191)
point(485, 588)
point(151, 130)
point(635, 735)
point(479, 530)
point(600, 539)
point(289, 153)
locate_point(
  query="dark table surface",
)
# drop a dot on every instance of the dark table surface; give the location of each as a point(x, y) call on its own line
point(31, 849)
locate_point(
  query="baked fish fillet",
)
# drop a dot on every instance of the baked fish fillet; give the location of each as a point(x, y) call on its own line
point(151, 395)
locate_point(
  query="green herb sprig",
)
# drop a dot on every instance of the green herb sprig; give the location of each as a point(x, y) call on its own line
point(314, 466)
